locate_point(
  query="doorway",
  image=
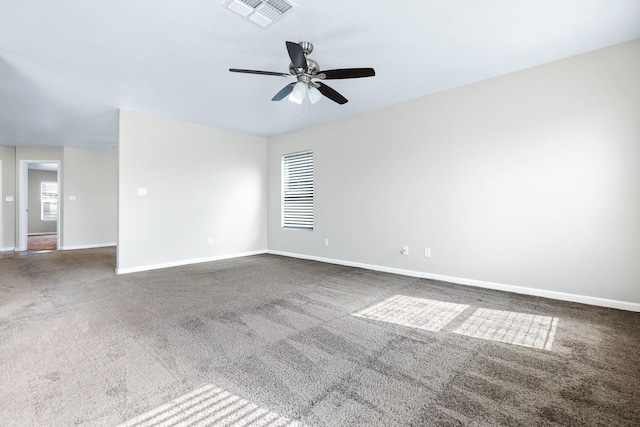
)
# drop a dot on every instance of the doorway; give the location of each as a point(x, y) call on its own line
point(39, 205)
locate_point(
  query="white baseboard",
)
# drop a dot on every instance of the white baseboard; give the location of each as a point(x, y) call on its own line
point(187, 262)
point(562, 296)
point(97, 245)
point(8, 248)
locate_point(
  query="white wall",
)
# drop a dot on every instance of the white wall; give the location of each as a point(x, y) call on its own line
point(201, 182)
point(7, 209)
point(36, 224)
point(530, 180)
point(91, 178)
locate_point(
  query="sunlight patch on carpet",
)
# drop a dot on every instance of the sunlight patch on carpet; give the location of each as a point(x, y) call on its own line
point(210, 406)
point(527, 330)
point(418, 313)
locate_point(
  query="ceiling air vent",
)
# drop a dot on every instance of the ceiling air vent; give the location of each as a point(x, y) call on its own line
point(261, 12)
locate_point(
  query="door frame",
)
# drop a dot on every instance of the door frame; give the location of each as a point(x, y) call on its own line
point(23, 203)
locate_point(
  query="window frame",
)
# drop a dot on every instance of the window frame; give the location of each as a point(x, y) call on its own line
point(47, 198)
point(297, 191)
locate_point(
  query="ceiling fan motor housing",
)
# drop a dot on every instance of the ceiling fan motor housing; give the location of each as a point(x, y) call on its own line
point(307, 47)
point(312, 67)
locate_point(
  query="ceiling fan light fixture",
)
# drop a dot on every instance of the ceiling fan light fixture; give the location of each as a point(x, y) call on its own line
point(314, 95)
point(294, 99)
point(299, 92)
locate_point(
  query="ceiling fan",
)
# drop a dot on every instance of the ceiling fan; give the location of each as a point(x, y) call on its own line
point(309, 77)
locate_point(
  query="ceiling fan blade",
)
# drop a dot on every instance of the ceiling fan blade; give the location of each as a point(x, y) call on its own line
point(284, 92)
point(297, 55)
point(264, 73)
point(331, 94)
point(348, 73)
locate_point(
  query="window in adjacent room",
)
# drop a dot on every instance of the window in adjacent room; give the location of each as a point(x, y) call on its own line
point(297, 190)
point(48, 201)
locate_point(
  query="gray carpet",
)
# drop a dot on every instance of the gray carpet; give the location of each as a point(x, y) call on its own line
point(80, 345)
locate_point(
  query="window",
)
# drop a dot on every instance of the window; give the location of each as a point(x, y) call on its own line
point(297, 190)
point(49, 201)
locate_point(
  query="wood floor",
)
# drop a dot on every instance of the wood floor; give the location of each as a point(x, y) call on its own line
point(43, 242)
point(35, 245)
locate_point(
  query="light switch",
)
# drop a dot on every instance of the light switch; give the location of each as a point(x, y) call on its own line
point(142, 191)
point(72, 198)
point(9, 198)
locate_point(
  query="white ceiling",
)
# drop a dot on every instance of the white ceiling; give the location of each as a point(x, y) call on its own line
point(66, 66)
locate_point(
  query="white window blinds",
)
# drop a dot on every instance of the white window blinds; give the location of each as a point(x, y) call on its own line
point(297, 190)
point(48, 201)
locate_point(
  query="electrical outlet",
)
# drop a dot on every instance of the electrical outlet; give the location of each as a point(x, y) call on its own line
point(210, 241)
point(405, 250)
point(9, 198)
point(326, 242)
point(427, 252)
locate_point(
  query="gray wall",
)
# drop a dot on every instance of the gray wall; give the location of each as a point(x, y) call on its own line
point(36, 225)
point(91, 179)
point(8, 209)
point(529, 180)
point(201, 183)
